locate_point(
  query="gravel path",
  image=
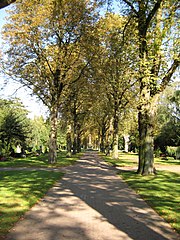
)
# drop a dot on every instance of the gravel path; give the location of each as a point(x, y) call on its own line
point(91, 203)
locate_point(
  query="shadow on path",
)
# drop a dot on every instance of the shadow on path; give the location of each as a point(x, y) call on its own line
point(95, 183)
point(92, 203)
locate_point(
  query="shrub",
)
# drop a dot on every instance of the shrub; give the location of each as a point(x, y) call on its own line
point(173, 152)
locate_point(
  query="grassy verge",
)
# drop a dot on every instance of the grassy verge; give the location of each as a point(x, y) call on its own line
point(167, 161)
point(131, 160)
point(125, 160)
point(19, 191)
point(161, 191)
point(40, 161)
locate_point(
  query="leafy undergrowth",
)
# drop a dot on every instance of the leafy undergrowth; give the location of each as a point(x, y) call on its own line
point(161, 192)
point(41, 161)
point(20, 190)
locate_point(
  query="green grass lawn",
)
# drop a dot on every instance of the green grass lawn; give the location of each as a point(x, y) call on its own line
point(131, 160)
point(161, 191)
point(168, 161)
point(40, 161)
point(19, 191)
point(125, 160)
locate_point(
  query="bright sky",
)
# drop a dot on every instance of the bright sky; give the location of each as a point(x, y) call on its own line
point(13, 90)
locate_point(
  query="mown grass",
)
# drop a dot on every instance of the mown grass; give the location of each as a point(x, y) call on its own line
point(19, 191)
point(131, 160)
point(41, 161)
point(161, 191)
point(167, 161)
point(125, 160)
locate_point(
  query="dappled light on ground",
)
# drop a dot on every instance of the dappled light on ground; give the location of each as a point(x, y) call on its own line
point(91, 202)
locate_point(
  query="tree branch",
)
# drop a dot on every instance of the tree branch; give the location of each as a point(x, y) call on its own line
point(153, 12)
point(5, 3)
point(169, 73)
point(82, 71)
point(125, 28)
point(131, 6)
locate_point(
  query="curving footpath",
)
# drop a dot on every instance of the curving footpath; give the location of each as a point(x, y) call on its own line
point(91, 203)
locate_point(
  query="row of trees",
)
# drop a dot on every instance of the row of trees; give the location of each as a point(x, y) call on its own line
point(95, 70)
point(19, 133)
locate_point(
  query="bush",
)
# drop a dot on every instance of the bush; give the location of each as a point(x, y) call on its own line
point(157, 152)
point(173, 152)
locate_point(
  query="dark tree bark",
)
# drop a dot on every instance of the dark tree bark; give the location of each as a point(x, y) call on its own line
point(53, 135)
point(115, 136)
point(68, 140)
point(78, 138)
point(103, 135)
point(74, 142)
point(146, 149)
point(5, 3)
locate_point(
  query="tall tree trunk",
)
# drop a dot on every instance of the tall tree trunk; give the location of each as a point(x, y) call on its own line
point(53, 135)
point(85, 143)
point(74, 143)
point(75, 135)
point(68, 141)
point(78, 143)
point(103, 134)
point(78, 139)
point(146, 148)
point(115, 154)
point(126, 142)
point(146, 137)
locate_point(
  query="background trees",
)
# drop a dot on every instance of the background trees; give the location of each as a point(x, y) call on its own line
point(39, 136)
point(14, 126)
point(168, 119)
point(75, 108)
point(20, 134)
point(114, 69)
